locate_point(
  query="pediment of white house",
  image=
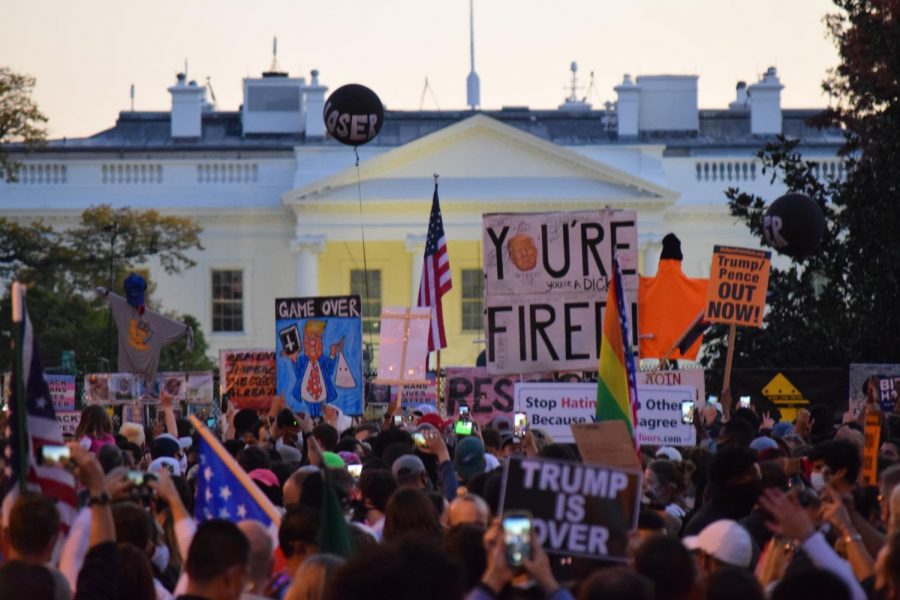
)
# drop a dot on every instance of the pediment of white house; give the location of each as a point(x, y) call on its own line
point(484, 166)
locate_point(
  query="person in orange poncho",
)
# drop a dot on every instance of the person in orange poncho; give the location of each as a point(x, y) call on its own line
point(669, 305)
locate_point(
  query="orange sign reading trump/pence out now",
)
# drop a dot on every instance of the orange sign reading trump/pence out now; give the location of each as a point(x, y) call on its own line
point(738, 280)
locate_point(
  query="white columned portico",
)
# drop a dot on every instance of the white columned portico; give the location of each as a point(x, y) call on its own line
point(415, 245)
point(306, 249)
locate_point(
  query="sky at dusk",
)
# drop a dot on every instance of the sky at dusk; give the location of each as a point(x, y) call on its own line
point(86, 54)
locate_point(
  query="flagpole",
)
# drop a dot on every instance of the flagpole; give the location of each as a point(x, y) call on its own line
point(729, 358)
point(18, 339)
point(236, 470)
point(439, 397)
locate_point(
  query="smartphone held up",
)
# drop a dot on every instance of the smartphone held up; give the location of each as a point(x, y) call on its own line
point(517, 537)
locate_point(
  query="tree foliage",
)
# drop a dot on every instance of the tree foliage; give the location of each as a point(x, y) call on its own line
point(21, 121)
point(841, 304)
point(63, 266)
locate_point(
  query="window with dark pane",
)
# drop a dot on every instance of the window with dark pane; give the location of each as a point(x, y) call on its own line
point(371, 302)
point(472, 299)
point(227, 300)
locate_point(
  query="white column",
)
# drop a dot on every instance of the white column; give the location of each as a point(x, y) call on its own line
point(415, 245)
point(306, 249)
point(650, 247)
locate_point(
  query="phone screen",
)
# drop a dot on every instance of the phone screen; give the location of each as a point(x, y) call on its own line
point(712, 399)
point(136, 477)
point(463, 428)
point(517, 537)
point(687, 411)
point(55, 456)
point(354, 470)
point(745, 402)
point(211, 422)
point(520, 424)
point(419, 439)
point(398, 420)
point(463, 412)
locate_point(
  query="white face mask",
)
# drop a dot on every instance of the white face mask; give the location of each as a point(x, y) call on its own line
point(817, 480)
point(160, 558)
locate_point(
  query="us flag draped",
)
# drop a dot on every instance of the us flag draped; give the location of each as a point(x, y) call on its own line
point(435, 280)
point(39, 427)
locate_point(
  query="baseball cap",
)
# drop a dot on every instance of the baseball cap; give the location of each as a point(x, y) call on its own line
point(508, 439)
point(165, 444)
point(724, 540)
point(165, 462)
point(670, 453)
point(333, 461)
point(469, 459)
point(435, 421)
point(763, 443)
point(425, 409)
point(408, 464)
point(502, 423)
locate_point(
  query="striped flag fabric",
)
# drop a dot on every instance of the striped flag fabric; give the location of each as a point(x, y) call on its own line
point(224, 489)
point(32, 421)
point(616, 382)
point(435, 280)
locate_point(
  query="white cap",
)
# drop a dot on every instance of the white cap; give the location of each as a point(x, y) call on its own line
point(165, 462)
point(670, 453)
point(724, 540)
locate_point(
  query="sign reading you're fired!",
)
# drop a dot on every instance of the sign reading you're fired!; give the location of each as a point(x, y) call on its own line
point(546, 281)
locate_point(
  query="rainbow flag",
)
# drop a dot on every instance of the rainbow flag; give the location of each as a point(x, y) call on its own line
point(616, 383)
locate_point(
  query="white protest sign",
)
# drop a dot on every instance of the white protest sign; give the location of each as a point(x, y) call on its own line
point(546, 282)
point(68, 421)
point(554, 407)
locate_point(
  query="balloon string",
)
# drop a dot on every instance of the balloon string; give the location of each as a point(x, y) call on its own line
point(362, 232)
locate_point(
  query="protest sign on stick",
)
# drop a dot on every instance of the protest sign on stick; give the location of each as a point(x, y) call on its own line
point(403, 347)
point(578, 509)
point(247, 377)
point(738, 281)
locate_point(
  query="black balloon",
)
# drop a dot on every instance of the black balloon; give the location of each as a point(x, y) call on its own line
point(353, 114)
point(794, 225)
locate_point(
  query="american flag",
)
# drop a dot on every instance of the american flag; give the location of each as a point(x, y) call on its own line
point(224, 490)
point(40, 425)
point(435, 275)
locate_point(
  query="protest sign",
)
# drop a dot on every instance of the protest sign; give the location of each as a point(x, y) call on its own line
point(68, 421)
point(199, 387)
point(606, 443)
point(247, 377)
point(416, 394)
point(694, 378)
point(318, 349)
point(403, 345)
point(738, 281)
point(174, 384)
point(578, 509)
point(874, 383)
point(870, 448)
point(546, 282)
point(62, 391)
point(133, 413)
point(555, 407)
point(485, 394)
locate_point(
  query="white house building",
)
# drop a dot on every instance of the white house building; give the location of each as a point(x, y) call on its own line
point(283, 214)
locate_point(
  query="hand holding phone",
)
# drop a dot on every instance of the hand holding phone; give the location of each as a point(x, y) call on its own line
point(419, 439)
point(463, 428)
point(517, 537)
point(687, 411)
point(520, 425)
point(55, 456)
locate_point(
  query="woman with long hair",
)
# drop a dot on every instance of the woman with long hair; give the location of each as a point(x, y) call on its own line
point(411, 511)
point(94, 429)
point(313, 576)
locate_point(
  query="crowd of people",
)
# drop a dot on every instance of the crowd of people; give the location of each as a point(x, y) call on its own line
point(759, 508)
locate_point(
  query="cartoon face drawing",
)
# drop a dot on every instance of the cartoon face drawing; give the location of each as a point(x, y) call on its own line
point(522, 252)
point(139, 333)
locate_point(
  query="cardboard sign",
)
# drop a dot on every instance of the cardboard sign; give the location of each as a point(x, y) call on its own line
point(870, 449)
point(738, 281)
point(607, 443)
point(318, 349)
point(247, 377)
point(546, 282)
point(578, 509)
point(62, 391)
point(556, 407)
point(416, 394)
point(68, 421)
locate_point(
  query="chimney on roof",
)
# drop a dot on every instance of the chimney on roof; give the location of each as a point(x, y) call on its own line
point(740, 97)
point(315, 106)
point(628, 107)
point(187, 106)
point(765, 104)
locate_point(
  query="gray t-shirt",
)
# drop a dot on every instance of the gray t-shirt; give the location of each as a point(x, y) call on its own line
point(142, 337)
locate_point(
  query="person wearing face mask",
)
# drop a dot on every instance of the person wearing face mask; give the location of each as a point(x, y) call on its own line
point(664, 485)
point(836, 463)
